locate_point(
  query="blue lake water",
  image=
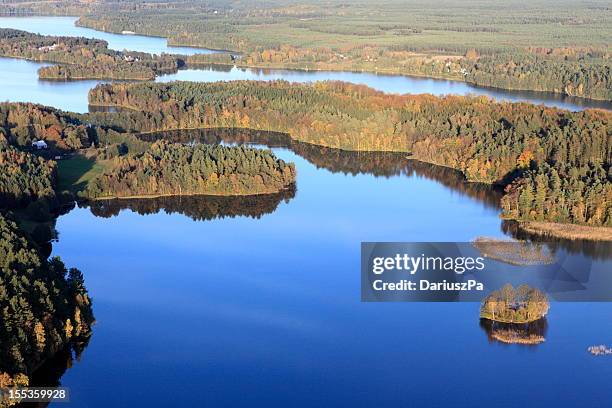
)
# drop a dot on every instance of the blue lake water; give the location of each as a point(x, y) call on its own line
point(266, 311)
point(72, 95)
point(387, 83)
point(66, 26)
point(256, 302)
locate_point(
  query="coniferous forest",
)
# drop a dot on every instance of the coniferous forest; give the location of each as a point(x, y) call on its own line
point(83, 58)
point(212, 151)
point(45, 307)
point(24, 177)
point(556, 46)
point(555, 164)
point(175, 169)
point(564, 71)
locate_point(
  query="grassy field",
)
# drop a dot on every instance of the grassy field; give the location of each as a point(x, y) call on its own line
point(408, 24)
point(415, 24)
point(74, 173)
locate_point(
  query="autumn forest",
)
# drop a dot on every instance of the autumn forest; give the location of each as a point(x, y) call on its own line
point(217, 156)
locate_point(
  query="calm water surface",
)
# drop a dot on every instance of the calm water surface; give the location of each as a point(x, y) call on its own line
point(386, 83)
point(66, 26)
point(255, 301)
point(243, 311)
point(74, 94)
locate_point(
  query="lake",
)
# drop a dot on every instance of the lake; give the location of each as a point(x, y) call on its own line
point(72, 95)
point(66, 26)
point(243, 302)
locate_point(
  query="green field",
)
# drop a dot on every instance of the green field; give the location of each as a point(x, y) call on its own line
point(74, 173)
point(451, 25)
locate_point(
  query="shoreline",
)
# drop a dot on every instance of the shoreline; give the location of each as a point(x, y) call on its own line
point(555, 230)
point(389, 71)
point(150, 196)
point(567, 231)
point(202, 65)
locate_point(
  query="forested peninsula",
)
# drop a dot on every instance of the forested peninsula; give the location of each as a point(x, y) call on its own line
point(554, 164)
point(44, 305)
point(83, 58)
point(122, 166)
point(174, 169)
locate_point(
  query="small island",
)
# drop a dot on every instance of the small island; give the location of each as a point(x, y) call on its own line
point(515, 316)
point(514, 252)
point(509, 305)
point(601, 350)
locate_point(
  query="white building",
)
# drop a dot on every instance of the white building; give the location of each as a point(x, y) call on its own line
point(39, 145)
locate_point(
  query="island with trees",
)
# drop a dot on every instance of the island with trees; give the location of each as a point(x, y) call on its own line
point(553, 164)
point(515, 315)
point(509, 305)
point(168, 169)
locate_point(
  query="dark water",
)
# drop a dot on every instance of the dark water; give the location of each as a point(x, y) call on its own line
point(255, 301)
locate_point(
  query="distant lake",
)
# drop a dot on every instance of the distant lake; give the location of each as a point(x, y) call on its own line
point(255, 301)
point(65, 26)
point(72, 95)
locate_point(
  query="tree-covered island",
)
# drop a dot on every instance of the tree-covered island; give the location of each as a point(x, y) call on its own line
point(553, 164)
point(509, 305)
point(173, 169)
point(515, 315)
